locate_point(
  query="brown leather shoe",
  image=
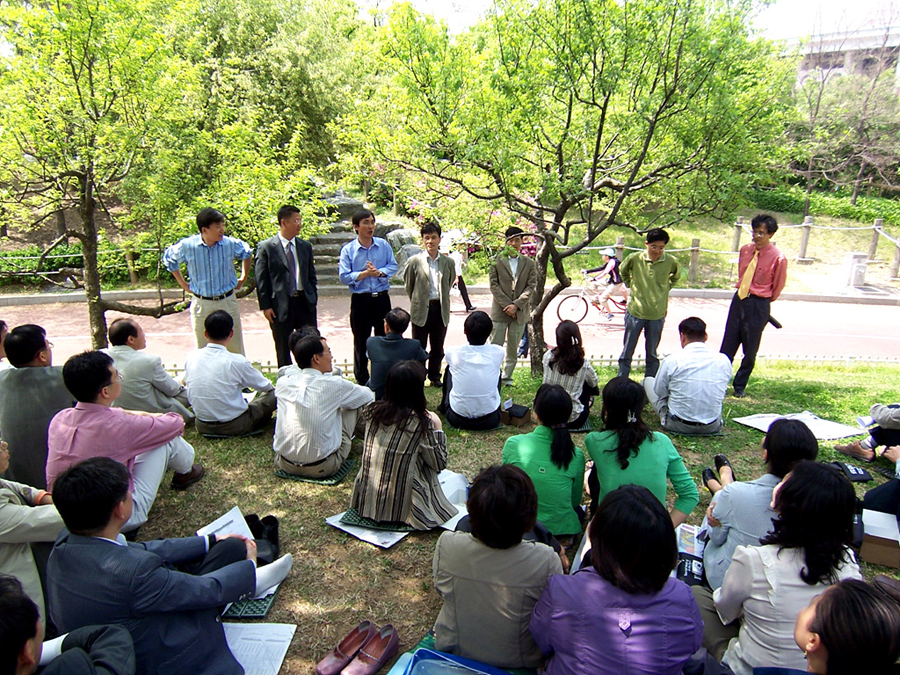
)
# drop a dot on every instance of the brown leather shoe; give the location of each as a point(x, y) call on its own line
point(182, 481)
point(343, 654)
point(856, 451)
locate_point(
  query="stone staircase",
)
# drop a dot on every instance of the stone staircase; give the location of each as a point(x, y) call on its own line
point(327, 249)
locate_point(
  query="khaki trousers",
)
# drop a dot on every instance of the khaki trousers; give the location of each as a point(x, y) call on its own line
point(200, 309)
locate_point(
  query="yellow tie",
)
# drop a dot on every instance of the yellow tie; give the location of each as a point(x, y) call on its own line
point(744, 288)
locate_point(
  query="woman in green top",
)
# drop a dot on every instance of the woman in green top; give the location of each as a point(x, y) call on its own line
point(627, 452)
point(551, 460)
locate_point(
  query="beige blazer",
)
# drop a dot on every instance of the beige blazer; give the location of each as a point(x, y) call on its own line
point(417, 277)
point(509, 291)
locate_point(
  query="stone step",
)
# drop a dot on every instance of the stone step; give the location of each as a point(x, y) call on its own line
point(327, 250)
point(325, 260)
point(342, 226)
point(340, 238)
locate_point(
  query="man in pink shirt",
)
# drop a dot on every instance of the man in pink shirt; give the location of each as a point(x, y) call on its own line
point(762, 272)
point(147, 443)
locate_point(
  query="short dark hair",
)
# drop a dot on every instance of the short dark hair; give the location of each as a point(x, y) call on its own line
point(397, 320)
point(633, 542)
point(86, 374)
point(120, 330)
point(24, 343)
point(767, 221)
point(502, 506)
point(87, 493)
point(478, 327)
point(18, 622)
point(306, 349)
point(657, 234)
point(787, 442)
point(299, 333)
point(218, 325)
point(430, 228)
point(693, 328)
point(209, 216)
point(286, 212)
point(360, 216)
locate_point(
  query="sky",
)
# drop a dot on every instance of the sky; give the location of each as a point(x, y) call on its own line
point(783, 19)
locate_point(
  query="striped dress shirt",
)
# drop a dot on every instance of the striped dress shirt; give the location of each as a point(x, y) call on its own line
point(210, 268)
point(573, 384)
point(694, 380)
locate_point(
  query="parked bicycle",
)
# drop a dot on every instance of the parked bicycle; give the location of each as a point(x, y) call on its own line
point(575, 307)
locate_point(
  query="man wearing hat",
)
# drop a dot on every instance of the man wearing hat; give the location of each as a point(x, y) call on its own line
point(513, 279)
point(612, 283)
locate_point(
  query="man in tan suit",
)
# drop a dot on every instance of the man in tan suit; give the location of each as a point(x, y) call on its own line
point(513, 280)
point(428, 278)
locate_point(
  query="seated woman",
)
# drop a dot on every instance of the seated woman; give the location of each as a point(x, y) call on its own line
point(624, 614)
point(628, 452)
point(850, 628)
point(404, 451)
point(490, 579)
point(566, 366)
point(806, 552)
point(552, 461)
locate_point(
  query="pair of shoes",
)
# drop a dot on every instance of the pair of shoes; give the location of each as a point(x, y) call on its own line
point(471, 309)
point(856, 451)
point(707, 476)
point(609, 316)
point(506, 382)
point(722, 460)
point(364, 651)
point(739, 393)
point(182, 481)
point(890, 587)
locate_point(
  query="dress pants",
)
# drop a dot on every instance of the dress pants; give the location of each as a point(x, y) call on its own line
point(258, 412)
point(675, 424)
point(367, 314)
point(327, 466)
point(746, 321)
point(147, 474)
point(484, 423)
point(884, 498)
point(882, 436)
point(464, 293)
point(716, 635)
point(434, 331)
point(511, 332)
point(300, 313)
point(200, 309)
point(653, 329)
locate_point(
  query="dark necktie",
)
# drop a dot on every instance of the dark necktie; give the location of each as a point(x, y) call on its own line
point(292, 267)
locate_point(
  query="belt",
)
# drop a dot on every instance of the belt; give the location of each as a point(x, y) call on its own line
point(326, 457)
point(372, 295)
point(434, 302)
point(688, 422)
point(215, 297)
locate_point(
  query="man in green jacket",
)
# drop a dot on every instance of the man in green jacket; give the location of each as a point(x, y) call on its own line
point(650, 276)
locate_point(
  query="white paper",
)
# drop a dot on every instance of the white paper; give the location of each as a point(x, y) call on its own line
point(883, 525)
point(864, 422)
point(823, 430)
point(259, 647)
point(380, 538)
point(231, 523)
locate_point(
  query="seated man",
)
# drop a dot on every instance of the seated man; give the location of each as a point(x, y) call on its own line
point(148, 443)
point(688, 390)
point(92, 650)
point(385, 351)
point(145, 383)
point(317, 413)
point(96, 577)
point(472, 381)
point(740, 514)
point(215, 377)
point(31, 393)
point(886, 432)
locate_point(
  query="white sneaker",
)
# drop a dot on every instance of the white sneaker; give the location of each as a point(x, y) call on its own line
point(609, 317)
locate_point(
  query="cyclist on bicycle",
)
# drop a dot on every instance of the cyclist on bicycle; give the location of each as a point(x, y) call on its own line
point(611, 284)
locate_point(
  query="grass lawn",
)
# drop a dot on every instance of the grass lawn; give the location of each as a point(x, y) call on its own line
point(338, 581)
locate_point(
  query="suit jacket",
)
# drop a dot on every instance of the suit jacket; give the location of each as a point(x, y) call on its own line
point(273, 275)
point(94, 650)
point(146, 385)
point(512, 291)
point(171, 615)
point(418, 286)
point(29, 399)
point(384, 352)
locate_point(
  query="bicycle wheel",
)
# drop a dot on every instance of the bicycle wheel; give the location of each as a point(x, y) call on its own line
point(573, 308)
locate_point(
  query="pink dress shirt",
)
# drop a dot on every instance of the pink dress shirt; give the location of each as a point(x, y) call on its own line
point(94, 430)
point(771, 271)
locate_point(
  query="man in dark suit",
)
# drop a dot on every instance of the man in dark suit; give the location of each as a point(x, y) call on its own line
point(385, 351)
point(92, 650)
point(95, 577)
point(286, 285)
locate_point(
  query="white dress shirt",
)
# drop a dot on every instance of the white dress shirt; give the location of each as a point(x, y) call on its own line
point(310, 403)
point(514, 266)
point(284, 244)
point(694, 380)
point(214, 378)
point(475, 370)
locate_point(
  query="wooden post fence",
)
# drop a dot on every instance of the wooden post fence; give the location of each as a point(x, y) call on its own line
point(620, 248)
point(804, 240)
point(873, 246)
point(895, 266)
point(129, 262)
point(738, 228)
point(695, 260)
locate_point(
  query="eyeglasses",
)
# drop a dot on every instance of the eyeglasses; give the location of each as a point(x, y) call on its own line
point(118, 378)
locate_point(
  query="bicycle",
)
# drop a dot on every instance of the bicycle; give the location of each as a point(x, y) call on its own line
point(575, 307)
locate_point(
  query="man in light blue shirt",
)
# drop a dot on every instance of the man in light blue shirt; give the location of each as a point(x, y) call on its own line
point(209, 257)
point(366, 266)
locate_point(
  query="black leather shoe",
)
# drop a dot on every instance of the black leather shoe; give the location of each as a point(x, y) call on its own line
point(707, 476)
point(739, 393)
point(722, 460)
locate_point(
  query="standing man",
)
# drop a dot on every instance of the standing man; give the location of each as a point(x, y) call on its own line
point(366, 266)
point(428, 278)
point(286, 285)
point(650, 275)
point(209, 258)
point(762, 273)
point(513, 279)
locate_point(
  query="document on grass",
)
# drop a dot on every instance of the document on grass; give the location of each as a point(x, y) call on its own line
point(823, 430)
point(259, 647)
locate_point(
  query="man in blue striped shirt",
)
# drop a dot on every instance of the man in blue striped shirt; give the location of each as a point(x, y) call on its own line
point(366, 266)
point(210, 257)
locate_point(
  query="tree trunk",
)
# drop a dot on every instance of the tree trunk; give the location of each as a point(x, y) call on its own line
point(537, 343)
point(857, 183)
point(96, 310)
point(61, 223)
point(809, 187)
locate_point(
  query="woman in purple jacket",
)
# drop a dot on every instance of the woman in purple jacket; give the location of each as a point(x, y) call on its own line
point(625, 613)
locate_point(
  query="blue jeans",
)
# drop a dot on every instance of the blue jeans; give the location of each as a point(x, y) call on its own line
point(653, 329)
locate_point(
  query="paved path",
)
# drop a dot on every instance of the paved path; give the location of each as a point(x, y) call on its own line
point(810, 328)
